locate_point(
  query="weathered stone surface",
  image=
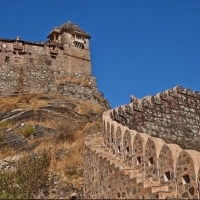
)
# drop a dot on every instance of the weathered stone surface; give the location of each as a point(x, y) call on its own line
point(141, 166)
point(15, 140)
point(9, 163)
point(61, 65)
point(178, 122)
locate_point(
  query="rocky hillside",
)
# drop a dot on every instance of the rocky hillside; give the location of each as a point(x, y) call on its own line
point(41, 144)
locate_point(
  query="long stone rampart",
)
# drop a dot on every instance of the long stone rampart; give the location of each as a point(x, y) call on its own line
point(173, 115)
point(143, 167)
point(124, 163)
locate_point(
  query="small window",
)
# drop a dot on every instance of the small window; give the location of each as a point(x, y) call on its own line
point(7, 59)
point(53, 56)
point(167, 176)
point(138, 160)
point(151, 161)
point(118, 195)
point(186, 179)
point(127, 149)
point(21, 53)
point(118, 149)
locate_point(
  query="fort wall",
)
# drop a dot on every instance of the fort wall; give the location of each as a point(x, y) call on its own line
point(34, 67)
point(172, 115)
point(60, 65)
point(124, 163)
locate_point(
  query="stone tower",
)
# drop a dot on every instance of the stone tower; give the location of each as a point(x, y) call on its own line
point(50, 66)
point(75, 44)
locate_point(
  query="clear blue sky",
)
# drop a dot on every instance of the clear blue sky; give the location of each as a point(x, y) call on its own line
point(138, 47)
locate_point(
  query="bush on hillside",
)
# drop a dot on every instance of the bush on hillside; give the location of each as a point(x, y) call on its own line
point(5, 124)
point(30, 177)
point(66, 133)
point(27, 131)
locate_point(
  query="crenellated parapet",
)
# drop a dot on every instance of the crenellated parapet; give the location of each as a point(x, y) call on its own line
point(124, 162)
point(172, 115)
point(140, 166)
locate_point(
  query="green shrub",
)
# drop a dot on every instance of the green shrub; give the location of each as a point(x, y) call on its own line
point(5, 124)
point(26, 131)
point(30, 177)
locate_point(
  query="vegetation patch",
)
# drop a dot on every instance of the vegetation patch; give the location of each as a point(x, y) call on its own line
point(66, 132)
point(5, 124)
point(58, 172)
point(27, 131)
point(30, 177)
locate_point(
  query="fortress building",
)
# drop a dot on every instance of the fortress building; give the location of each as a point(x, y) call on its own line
point(60, 65)
point(69, 46)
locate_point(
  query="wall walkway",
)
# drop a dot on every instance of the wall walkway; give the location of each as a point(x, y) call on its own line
point(122, 162)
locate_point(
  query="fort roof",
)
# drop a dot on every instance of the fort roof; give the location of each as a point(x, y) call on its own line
point(73, 28)
point(23, 41)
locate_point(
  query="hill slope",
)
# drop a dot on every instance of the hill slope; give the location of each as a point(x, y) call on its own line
point(46, 126)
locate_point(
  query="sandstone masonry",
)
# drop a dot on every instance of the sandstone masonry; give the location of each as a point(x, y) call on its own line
point(135, 156)
point(172, 115)
point(60, 65)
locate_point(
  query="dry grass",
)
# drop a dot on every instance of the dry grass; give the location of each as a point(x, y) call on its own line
point(24, 101)
point(37, 103)
point(77, 81)
point(69, 164)
point(6, 152)
point(72, 145)
point(33, 101)
point(72, 152)
point(50, 123)
point(87, 106)
point(8, 104)
point(13, 102)
point(70, 138)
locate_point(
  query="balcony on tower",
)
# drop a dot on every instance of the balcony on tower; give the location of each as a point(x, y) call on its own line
point(79, 41)
point(54, 35)
point(18, 45)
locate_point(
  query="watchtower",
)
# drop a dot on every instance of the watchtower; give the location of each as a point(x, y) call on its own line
point(50, 66)
point(75, 44)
